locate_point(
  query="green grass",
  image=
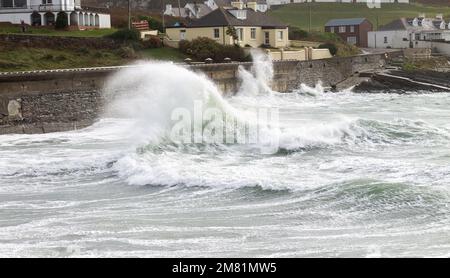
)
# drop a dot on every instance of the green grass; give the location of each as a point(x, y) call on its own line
point(14, 58)
point(22, 59)
point(11, 29)
point(298, 14)
point(165, 53)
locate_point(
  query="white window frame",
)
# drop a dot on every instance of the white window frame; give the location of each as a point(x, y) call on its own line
point(216, 33)
point(182, 34)
point(353, 41)
point(332, 29)
point(352, 29)
point(342, 29)
point(253, 33)
point(240, 33)
point(280, 35)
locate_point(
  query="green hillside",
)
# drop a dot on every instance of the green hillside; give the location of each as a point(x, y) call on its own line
point(298, 14)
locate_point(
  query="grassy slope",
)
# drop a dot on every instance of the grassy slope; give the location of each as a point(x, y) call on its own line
point(23, 58)
point(166, 53)
point(298, 14)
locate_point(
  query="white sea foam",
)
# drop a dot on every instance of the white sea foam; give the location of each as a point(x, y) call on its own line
point(355, 175)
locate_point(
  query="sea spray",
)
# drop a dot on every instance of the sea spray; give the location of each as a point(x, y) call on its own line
point(260, 77)
point(318, 89)
point(168, 102)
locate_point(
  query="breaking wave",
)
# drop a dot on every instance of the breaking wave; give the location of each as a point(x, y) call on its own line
point(149, 94)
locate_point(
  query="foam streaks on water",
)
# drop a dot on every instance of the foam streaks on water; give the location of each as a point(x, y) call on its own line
point(355, 175)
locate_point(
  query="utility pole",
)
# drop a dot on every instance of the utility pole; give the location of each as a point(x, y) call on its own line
point(163, 21)
point(129, 14)
point(179, 8)
point(310, 17)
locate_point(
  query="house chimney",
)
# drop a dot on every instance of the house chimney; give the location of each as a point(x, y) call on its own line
point(238, 4)
point(252, 5)
point(168, 10)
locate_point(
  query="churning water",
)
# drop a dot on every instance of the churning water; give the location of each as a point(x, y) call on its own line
point(353, 175)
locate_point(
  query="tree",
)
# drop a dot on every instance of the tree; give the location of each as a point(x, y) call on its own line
point(231, 31)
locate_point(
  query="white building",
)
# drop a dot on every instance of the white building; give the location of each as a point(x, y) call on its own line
point(45, 13)
point(408, 33)
point(191, 9)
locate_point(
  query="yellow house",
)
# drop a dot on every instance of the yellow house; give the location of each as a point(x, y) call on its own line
point(252, 28)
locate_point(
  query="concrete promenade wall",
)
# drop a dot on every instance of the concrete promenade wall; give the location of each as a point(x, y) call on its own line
point(59, 100)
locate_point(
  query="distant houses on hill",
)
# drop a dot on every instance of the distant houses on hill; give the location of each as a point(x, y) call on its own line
point(194, 9)
point(46, 12)
point(410, 32)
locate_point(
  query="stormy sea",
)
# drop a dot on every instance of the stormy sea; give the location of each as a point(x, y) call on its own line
point(340, 174)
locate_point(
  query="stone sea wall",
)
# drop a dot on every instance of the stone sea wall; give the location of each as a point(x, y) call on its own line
point(60, 100)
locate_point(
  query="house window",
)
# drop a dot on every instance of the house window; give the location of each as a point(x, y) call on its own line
point(216, 33)
point(280, 35)
point(240, 33)
point(385, 40)
point(342, 29)
point(253, 33)
point(331, 29)
point(182, 34)
point(351, 40)
point(13, 3)
point(352, 29)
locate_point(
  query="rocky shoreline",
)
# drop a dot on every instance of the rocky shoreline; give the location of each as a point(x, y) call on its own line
point(401, 81)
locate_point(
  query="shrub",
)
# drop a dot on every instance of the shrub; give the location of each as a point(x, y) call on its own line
point(154, 24)
point(185, 46)
point(126, 35)
point(330, 46)
point(233, 52)
point(408, 66)
point(82, 50)
point(126, 52)
point(48, 57)
point(153, 42)
point(296, 33)
point(62, 22)
point(202, 48)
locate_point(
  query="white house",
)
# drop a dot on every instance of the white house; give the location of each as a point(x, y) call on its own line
point(408, 33)
point(45, 12)
point(192, 9)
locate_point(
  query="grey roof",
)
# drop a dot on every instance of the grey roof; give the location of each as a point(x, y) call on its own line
point(407, 23)
point(398, 24)
point(223, 3)
point(227, 3)
point(174, 3)
point(202, 9)
point(176, 12)
point(222, 17)
point(345, 21)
